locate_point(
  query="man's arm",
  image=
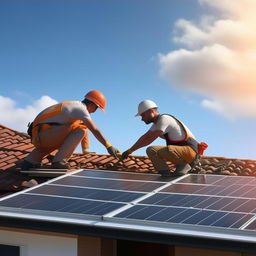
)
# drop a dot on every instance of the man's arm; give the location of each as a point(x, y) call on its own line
point(100, 137)
point(95, 131)
point(85, 142)
point(146, 139)
point(143, 141)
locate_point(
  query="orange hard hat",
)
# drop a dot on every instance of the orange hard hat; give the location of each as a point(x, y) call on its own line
point(98, 98)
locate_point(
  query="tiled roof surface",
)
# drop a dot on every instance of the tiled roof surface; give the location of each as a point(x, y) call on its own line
point(14, 146)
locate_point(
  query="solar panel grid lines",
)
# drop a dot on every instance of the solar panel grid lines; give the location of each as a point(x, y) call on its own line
point(197, 202)
point(73, 207)
point(136, 201)
point(250, 224)
point(30, 202)
point(180, 215)
point(86, 196)
point(201, 179)
point(214, 179)
point(116, 175)
point(88, 193)
point(69, 197)
point(109, 183)
point(187, 224)
point(209, 203)
point(117, 179)
point(39, 185)
point(208, 212)
point(234, 194)
point(231, 190)
point(202, 202)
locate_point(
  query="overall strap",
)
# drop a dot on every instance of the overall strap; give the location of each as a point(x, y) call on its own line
point(188, 140)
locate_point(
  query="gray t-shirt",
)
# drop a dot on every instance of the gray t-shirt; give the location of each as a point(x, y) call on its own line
point(171, 126)
point(71, 111)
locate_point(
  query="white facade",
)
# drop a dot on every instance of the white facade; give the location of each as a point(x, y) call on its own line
point(32, 244)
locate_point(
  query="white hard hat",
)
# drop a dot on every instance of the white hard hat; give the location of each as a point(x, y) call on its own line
point(145, 105)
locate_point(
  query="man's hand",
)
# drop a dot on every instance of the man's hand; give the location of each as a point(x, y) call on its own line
point(85, 151)
point(126, 154)
point(113, 151)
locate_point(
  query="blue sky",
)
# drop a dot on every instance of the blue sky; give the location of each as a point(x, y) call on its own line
point(130, 50)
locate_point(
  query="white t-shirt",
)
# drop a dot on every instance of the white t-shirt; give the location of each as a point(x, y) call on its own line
point(71, 111)
point(169, 125)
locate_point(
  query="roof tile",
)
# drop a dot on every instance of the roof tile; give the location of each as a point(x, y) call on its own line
point(14, 146)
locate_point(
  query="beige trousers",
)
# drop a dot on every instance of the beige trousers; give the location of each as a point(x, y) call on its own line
point(59, 137)
point(159, 155)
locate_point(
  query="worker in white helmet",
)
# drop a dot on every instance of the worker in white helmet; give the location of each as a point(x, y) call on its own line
point(181, 146)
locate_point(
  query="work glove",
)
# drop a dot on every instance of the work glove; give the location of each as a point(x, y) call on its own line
point(113, 151)
point(126, 154)
point(85, 151)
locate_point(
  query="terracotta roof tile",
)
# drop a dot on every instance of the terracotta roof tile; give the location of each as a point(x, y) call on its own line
point(14, 146)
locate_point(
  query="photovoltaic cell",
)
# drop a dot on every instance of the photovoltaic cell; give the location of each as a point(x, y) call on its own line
point(229, 219)
point(109, 184)
point(88, 193)
point(59, 204)
point(164, 199)
point(241, 191)
point(250, 193)
point(185, 188)
point(186, 213)
point(202, 179)
point(124, 176)
point(251, 226)
point(185, 216)
point(165, 214)
point(197, 217)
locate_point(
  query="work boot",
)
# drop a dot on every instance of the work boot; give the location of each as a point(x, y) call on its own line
point(165, 173)
point(196, 164)
point(26, 165)
point(181, 169)
point(60, 165)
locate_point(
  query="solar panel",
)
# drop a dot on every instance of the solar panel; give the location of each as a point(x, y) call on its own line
point(204, 201)
point(90, 193)
point(194, 202)
point(126, 185)
point(123, 175)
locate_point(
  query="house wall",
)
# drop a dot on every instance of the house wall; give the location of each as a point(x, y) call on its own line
point(128, 248)
point(38, 244)
point(181, 251)
point(41, 243)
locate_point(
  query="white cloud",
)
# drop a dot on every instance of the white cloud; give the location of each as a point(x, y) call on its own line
point(218, 60)
point(18, 118)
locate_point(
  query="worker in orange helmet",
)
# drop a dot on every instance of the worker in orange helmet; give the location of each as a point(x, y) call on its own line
point(182, 149)
point(62, 127)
